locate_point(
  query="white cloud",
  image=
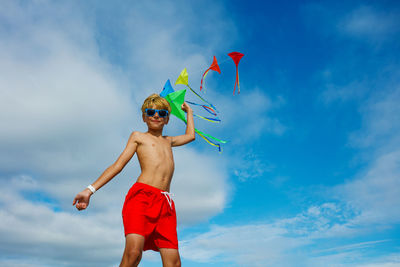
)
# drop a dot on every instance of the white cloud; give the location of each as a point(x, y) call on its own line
point(250, 165)
point(200, 192)
point(247, 245)
point(380, 119)
point(35, 230)
point(254, 115)
point(283, 242)
point(366, 21)
point(352, 246)
point(307, 239)
point(376, 193)
point(333, 93)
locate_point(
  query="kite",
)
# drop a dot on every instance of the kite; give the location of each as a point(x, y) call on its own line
point(168, 89)
point(184, 79)
point(176, 99)
point(236, 56)
point(214, 66)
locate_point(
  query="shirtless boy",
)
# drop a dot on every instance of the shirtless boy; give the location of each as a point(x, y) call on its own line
point(149, 212)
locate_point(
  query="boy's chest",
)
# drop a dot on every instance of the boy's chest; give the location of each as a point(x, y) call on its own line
point(160, 147)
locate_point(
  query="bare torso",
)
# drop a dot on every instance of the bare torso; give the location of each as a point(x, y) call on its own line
point(156, 161)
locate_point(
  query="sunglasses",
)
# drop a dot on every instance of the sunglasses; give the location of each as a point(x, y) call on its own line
point(162, 113)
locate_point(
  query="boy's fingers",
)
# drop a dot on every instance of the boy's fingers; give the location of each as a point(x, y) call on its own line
point(77, 199)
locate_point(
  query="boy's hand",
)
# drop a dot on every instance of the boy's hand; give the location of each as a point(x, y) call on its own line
point(185, 107)
point(82, 199)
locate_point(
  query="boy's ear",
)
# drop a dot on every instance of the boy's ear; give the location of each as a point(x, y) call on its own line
point(144, 117)
point(167, 120)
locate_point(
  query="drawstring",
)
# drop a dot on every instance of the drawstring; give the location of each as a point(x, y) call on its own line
point(168, 196)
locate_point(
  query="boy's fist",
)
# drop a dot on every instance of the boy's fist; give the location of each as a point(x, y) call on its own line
point(185, 107)
point(82, 199)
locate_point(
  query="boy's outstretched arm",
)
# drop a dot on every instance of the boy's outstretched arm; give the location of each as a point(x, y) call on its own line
point(190, 134)
point(82, 199)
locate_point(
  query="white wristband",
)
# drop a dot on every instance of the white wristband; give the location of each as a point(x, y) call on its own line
point(91, 188)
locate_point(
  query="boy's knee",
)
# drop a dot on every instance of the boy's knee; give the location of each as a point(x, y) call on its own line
point(134, 255)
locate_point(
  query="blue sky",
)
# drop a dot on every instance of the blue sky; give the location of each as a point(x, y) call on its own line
point(310, 175)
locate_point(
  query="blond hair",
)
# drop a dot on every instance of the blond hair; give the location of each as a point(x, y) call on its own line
point(156, 100)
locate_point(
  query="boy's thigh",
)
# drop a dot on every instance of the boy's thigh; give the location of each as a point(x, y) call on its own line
point(134, 241)
point(169, 255)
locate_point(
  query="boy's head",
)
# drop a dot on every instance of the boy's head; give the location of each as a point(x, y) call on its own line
point(153, 119)
point(157, 102)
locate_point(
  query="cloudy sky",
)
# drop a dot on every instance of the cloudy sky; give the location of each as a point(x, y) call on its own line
point(310, 175)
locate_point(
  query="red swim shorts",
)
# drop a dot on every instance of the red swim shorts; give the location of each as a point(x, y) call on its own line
point(150, 212)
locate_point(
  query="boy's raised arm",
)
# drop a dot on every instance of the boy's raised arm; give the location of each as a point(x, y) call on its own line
point(82, 199)
point(190, 134)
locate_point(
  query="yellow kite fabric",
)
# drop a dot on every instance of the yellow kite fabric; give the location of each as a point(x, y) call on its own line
point(183, 78)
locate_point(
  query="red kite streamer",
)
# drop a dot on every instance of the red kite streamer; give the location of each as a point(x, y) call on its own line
point(214, 66)
point(236, 56)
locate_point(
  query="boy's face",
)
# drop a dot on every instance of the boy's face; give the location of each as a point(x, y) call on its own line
point(155, 122)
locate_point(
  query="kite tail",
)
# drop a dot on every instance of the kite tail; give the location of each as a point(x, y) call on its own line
point(210, 110)
point(210, 136)
point(208, 119)
point(207, 137)
point(202, 78)
point(207, 108)
point(236, 81)
point(211, 143)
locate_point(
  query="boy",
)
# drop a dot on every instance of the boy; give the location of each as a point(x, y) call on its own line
point(149, 212)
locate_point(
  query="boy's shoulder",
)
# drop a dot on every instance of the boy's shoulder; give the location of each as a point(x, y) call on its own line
point(136, 136)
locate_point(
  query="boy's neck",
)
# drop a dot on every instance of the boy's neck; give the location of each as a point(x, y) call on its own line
point(156, 133)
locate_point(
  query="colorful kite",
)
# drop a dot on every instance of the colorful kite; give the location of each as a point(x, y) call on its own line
point(214, 66)
point(176, 100)
point(236, 56)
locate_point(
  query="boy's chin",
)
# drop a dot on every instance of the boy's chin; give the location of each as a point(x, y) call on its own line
point(156, 127)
